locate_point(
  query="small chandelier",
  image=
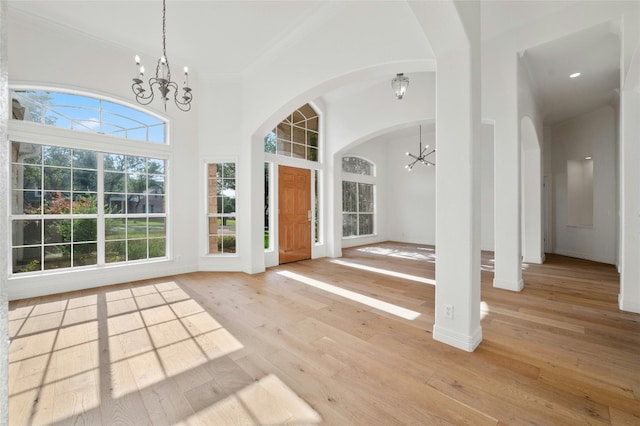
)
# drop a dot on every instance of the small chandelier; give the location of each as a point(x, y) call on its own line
point(162, 80)
point(399, 85)
point(421, 157)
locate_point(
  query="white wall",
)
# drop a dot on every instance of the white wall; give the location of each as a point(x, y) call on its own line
point(591, 134)
point(412, 195)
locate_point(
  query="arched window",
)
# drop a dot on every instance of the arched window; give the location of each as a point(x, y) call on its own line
point(296, 136)
point(358, 197)
point(78, 202)
point(87, 114)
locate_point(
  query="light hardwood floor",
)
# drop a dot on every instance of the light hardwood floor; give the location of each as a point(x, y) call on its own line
point(329, 341)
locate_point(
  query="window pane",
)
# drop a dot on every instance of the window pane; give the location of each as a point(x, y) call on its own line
point(26, 232)
point(136, 164)
point(227, 244)
point(270, 143)
point(114, 182)
point(58, 256)
point(156, 184)
point(115, 251)
point(26, 202)
point(349, 196)
point(229, 205)
point(85, 180)
point(27, 259)
point(57, 156)
point(299, 151)
point(283, 131)
point(115, 203)
point(155, 204)
point(84, 203)
point(114, 162)
point(26, 176)
point(312, 154)
point(27, 153)
point(229, 171)
point(85, 254)
point(157, 247)
point(136, 204)
point(137, 249)
point(136, 228)
point(299, 135)
point(365, 198)
point(365, 226)
point(57, 179)
point(284, 148)
point(157, 227)
point(349, 225)
point(57, 231)
point(357, 166)
point(136, 183)
point(57, 202)
point(155, 166)
point(84, 230)
point(84, 159)
point(115, 229)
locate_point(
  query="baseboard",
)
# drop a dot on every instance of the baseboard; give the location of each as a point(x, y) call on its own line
point(586, 256)
point(465, 342)
point(628, 306)
point(508, 285)
point(534, 259)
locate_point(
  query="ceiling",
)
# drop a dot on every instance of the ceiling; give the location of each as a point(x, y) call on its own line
point(228, 36)
point(595, 53)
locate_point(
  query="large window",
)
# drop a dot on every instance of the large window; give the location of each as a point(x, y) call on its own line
point(358, 191)
point(62, 196)
point(221, 207)
point(76, 202)
point(296, 136)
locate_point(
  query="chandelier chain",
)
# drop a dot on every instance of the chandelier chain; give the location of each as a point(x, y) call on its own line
point(162, 80)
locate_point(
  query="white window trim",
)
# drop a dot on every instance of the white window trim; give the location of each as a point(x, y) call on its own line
point(204, 249)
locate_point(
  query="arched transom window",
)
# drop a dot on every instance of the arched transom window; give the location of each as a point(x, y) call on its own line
point(296, 136)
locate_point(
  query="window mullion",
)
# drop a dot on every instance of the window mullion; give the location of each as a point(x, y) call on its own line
point(100, 232)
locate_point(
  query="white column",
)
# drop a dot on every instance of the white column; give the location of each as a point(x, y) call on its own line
point(457, 310)
point(629, 298)
point(507, 150)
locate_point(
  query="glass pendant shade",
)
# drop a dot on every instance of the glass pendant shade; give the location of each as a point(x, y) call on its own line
point(399, 85)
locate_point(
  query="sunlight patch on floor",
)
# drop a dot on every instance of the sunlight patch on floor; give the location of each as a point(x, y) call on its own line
point(267, 401)
point(400, 253)
point(385, 272)
point(171, 335)
point(352, 295)
point(484, 309)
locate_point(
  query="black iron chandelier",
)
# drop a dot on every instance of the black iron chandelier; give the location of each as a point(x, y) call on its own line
point(162, 81)
point(422, 155)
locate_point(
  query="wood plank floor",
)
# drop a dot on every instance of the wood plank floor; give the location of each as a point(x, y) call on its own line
point(329, 341)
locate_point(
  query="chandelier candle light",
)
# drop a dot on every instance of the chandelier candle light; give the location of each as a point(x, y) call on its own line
point(162, 80)
point(421, 157)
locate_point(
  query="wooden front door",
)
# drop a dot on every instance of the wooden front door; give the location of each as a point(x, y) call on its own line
point(294, 214)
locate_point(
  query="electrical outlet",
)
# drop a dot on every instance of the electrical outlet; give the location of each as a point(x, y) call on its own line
point(448, 311)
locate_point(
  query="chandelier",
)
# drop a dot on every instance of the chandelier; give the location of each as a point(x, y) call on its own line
point(162, 80)
point(421, 157)
point(399, 85)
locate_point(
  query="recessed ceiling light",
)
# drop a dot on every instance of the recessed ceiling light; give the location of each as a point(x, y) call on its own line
point(587, 158)
point(574, 75)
